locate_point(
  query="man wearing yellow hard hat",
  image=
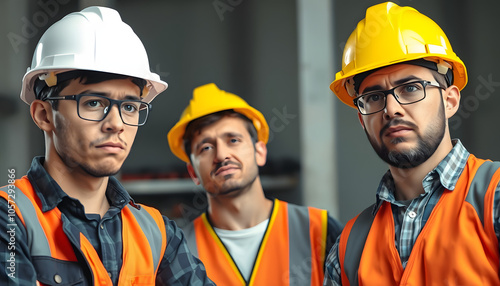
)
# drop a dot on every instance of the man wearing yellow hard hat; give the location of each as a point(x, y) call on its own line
point(436, 219)
point(245, 238)
point(69, 221)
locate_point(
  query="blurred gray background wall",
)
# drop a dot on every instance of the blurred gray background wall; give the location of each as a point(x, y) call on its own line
point(278, 55)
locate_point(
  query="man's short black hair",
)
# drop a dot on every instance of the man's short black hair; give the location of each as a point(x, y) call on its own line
point(42, 91)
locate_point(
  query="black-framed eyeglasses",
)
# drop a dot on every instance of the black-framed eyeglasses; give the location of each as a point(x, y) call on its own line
point(94, 107)
point(408, 93)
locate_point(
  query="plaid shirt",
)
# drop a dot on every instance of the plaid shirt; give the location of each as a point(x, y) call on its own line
point(178, 266)
point(410, 216)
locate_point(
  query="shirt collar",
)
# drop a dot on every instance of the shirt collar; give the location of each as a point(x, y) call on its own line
point(51, 194)
point(448, 171)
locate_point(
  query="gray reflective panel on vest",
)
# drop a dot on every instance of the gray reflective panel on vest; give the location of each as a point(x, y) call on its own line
point(300, 245)
point(36, 240)
point(479, 186)
point(355, 244)
point(150, 230)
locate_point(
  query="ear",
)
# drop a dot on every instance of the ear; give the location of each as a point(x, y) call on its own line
point(41, 113)
point(361, 121)
point(192, 173)
point(451, 98)
point(260, 153)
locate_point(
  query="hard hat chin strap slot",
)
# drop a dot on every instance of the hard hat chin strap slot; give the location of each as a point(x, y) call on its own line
point(145, 90)
point(43, 81)
point(442, 67)
point(49, 78)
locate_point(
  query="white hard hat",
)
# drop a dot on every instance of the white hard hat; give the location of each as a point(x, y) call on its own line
point(94, 39)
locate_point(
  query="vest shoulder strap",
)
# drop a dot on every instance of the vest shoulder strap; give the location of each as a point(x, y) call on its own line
point(355, 243)
point(479, 186)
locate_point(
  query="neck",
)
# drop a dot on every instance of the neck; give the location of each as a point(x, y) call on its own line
point(89, 190)
point(240, 212)
point(408, 182)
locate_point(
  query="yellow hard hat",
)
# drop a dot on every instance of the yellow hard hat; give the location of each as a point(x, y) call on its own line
point(391, 34)
point(208, 99)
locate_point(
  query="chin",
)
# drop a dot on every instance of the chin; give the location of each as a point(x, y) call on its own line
point(224, 191)
point(102, 171)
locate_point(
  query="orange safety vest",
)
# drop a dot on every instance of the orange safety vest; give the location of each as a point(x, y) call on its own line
point(292, 251)
point(143, 234)
point(456, 246)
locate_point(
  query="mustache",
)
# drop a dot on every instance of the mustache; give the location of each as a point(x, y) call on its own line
point(395, 122)
point(105, 139)
point(223, 164)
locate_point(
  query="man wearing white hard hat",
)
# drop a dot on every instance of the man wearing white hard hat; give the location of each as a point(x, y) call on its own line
point(89, 88)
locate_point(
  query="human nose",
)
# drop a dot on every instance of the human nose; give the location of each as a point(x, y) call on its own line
point(392, 106)
point(112, 121)
point(221, 152)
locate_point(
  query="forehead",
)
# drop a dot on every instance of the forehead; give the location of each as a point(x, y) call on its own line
point(387, 76)
point(222, 127)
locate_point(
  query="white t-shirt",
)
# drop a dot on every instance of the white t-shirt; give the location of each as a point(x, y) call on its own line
point(243, 245)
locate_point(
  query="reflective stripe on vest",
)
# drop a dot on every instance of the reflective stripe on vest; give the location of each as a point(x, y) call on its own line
point(143, 234)
point(485, 177)
point(292, 251)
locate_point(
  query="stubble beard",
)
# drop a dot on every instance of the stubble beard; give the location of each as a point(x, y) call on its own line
point(427, 144)
point(72, 163)
point(233, 187)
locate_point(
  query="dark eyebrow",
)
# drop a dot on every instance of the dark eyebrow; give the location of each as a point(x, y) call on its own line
point(205, 140)
point(233, 134)
point(106, 94)
point(132, 97)
point(397, 82)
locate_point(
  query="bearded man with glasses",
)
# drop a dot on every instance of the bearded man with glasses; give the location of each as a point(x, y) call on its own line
point(436, 219)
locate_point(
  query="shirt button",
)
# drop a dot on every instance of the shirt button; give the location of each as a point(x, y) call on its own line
point(412, 214)
point(109, 274)
point(58, 279)
point(102, 226)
